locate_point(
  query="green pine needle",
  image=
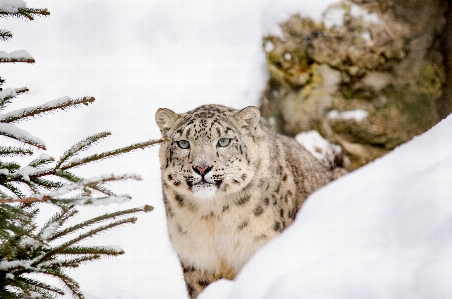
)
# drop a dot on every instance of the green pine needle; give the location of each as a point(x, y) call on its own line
point(100, 219)
point(8, 151)
point(113, 153)
point(24, 113)
point(25, 12)
point(81, 146)
point(104, 250)
point(5, 35)
point(62, 247)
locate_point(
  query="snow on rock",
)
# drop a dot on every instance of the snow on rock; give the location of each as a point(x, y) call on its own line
point(358, 114)
point(383, 231)
point(329, 12)
point(319, 147)
point(269, 46)
point(12, 6)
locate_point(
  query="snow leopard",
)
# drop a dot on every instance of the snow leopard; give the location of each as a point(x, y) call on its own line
point(230, 185)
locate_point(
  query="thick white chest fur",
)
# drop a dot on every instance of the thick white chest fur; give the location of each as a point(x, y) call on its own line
point(225, 237)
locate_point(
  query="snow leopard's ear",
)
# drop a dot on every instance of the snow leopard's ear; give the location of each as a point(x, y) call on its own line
point(165, 119)
point(248, 117)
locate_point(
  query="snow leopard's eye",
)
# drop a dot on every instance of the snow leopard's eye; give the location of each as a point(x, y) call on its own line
point(223, 142)
point(183, 144)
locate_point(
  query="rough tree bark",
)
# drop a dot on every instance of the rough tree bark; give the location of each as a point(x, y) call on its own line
point(389, 71)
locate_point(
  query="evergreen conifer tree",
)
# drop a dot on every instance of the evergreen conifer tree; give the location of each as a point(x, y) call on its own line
point(26, 247)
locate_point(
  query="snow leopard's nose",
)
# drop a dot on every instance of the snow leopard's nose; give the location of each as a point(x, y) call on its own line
point(202, 170)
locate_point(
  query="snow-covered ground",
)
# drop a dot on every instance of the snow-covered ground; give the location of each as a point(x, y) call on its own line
point(381, 232)
point(384, 231)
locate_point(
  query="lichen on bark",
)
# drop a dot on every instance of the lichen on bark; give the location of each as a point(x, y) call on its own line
point(391, 68)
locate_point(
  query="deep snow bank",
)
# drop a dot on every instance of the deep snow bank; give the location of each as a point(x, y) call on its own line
point(384, 231)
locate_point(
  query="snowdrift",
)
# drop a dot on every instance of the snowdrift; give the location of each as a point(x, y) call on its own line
point(383, 231)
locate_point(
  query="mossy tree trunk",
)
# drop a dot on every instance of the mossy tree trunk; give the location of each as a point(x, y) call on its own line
point(369, 84)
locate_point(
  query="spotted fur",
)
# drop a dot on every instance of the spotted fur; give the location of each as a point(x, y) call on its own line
point(225, 202)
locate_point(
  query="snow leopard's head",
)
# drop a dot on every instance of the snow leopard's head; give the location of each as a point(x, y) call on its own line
point(211, 149)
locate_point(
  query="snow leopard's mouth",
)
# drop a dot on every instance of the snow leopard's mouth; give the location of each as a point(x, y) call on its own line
point(204, 190)
point(203, 183)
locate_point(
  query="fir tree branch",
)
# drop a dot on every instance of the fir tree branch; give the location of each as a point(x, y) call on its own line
point(99, 219)
point(8, 94)
point(105, 250)
point(71, 285)
point(32, 186)
point(75, 263)
point(60, 218)
point(16, 191)
point(62, 103)
point(41, 161)
point(14, 60)
point(47, 184)
point(81, 146)
point(105, 155)
point(89, 182)
point(5, 35)
point(62, 190)
point(25, 200)
point(93, 200)
point(14, 132)
point(16, 56)
point(40, 285)
point(21, 90)
point(10, 166)
point(26, 291)
point(14, 151)
point(24, 12)
point(75, 179)
point(60, 248)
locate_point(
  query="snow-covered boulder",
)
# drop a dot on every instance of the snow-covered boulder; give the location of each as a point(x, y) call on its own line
point(383, 231)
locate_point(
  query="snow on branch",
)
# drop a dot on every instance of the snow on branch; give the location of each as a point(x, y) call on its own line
point(95, 201)
point(8, 94)
point(16, 56)
point(81, 146)
point(74, 187)
point(12, 6)
point(19, 9)
point(35, 175)
point(14, 132)
point(61, 103)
